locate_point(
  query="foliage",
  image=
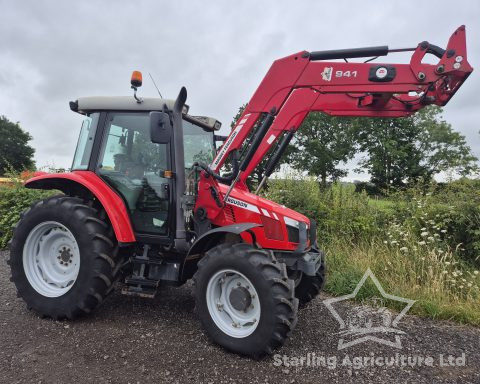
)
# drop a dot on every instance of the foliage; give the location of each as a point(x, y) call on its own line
point(321, 143)
point(14, 148)
point(14, 199)
point(405, 151)
point(443, 149)
point(421, 244)
point(338, 209)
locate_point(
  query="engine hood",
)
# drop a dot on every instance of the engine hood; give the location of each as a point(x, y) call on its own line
point(264, 206)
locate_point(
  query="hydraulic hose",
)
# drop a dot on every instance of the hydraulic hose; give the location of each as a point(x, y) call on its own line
point(223, 179)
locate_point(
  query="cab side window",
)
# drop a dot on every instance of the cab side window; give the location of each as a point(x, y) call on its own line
point(132, 165)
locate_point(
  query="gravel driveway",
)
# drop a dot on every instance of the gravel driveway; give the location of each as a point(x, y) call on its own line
point(130, 340)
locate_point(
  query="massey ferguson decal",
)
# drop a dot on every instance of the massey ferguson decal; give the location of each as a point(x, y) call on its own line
point(327, 73)
point(228, 143)
point(243, 204)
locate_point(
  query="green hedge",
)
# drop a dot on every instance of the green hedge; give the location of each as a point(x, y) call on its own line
point(14, 199)
point(344, 214)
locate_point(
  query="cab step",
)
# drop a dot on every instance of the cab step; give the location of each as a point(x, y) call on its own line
point(140, 287)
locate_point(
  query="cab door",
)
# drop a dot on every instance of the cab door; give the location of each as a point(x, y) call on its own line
point(135, 167)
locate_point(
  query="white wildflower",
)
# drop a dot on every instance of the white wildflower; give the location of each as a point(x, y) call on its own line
point(421, 243)
point(404, 249)
point(423, 234)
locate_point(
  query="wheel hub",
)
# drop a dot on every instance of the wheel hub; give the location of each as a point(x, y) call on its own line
point(240, 298)
point(65, 255)
point(233, 303)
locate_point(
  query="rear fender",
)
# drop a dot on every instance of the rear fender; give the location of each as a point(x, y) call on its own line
point(86, 181)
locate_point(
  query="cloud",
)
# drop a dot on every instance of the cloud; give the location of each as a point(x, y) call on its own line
point(54, 52)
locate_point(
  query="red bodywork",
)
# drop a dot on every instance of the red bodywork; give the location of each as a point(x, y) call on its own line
point(111, 202)
point(293, 87)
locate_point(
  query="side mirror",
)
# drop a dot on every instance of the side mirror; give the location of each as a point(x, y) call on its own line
point(161, 128)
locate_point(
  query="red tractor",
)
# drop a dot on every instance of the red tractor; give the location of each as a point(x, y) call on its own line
point(145, 203)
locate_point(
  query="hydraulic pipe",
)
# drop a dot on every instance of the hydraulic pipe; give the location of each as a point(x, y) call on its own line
point(348, 53)
point(272, 162)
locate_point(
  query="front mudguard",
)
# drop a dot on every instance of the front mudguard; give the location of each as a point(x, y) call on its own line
point(308, 262)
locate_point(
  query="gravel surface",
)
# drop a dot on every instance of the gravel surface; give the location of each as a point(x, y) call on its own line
point(130, 340)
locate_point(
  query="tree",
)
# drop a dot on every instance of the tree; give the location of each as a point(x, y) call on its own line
point(392, 155)
point(405, 150)
point(443, 148)
point(14, 149)
point(321, 144)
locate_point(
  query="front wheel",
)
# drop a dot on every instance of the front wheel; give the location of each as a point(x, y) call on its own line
point(244, 299)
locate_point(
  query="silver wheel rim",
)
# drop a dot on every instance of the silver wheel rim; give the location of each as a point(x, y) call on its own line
point(51, 259)
point(233, 322)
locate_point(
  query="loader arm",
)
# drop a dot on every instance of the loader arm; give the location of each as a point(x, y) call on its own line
point(304, 82)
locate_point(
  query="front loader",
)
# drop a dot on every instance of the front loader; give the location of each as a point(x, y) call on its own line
point(146, 203)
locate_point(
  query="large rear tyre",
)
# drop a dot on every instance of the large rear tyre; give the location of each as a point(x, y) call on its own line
point(308, 287)
point(62, 257)
point(244, 299)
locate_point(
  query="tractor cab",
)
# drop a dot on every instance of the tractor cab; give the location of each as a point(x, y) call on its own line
point(129, 142)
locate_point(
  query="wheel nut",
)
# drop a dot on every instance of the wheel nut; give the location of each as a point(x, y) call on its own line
point(239, 284)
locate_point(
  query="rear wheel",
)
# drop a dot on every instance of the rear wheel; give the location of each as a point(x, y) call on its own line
point(244, 299)
point(62, 257)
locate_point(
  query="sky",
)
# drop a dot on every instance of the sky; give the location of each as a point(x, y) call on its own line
point(53, 52)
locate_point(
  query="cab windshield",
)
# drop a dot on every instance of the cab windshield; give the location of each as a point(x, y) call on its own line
point(198, 144)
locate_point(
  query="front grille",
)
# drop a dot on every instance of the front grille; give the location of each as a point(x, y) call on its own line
point(272, 228)
point(293, 234)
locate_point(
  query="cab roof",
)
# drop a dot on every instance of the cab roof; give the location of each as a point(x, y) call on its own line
point(85, 105)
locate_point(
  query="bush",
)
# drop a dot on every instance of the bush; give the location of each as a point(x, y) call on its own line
point(14, 199)
point(339, 211)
